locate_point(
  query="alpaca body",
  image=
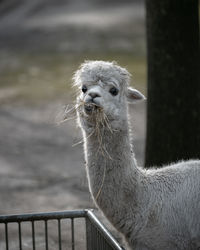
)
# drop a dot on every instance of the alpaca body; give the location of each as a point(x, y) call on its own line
point(156, 209)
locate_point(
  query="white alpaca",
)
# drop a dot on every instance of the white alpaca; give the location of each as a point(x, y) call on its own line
point(157, 209)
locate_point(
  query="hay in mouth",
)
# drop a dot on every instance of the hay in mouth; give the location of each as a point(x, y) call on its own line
point(91, 107)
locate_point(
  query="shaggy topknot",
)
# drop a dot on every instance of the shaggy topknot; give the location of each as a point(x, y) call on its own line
point(94, 71)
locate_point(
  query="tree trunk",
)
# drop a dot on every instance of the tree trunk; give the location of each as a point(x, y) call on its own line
point(173, 112)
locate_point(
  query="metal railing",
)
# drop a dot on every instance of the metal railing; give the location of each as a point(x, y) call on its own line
point(55, 230)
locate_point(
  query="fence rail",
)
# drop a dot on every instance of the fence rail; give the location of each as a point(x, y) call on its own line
point(96, 236)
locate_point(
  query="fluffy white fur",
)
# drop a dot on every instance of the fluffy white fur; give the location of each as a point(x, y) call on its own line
point(157, 209)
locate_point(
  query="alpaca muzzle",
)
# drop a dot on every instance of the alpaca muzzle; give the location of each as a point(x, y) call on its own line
point(90, 108)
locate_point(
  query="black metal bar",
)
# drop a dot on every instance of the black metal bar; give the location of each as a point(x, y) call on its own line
point(59, 235)
point(72, 232)
point(6, 236)
point(46, 235)
point(43, 216)
point(88, 235)
point(104, 232)
point(20, 235)
point(33, 234)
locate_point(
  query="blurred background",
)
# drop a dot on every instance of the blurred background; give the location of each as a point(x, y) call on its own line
point(42, 43)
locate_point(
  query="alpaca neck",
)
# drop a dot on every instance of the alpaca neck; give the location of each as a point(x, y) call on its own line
point(113, 174)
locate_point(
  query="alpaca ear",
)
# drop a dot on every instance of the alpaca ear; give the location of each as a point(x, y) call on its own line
point(133, 95)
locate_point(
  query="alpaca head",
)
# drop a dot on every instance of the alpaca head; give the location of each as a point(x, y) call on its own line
point(103, 93)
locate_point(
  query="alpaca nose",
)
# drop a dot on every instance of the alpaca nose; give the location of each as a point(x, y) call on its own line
point(94, 95)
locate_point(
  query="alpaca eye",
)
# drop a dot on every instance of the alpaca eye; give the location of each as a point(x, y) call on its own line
point(84, 89)
point(114, 91)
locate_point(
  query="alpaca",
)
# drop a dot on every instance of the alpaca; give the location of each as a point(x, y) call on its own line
point(155, 209)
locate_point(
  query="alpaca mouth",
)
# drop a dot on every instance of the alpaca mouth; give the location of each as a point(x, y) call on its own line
point(90, 108)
